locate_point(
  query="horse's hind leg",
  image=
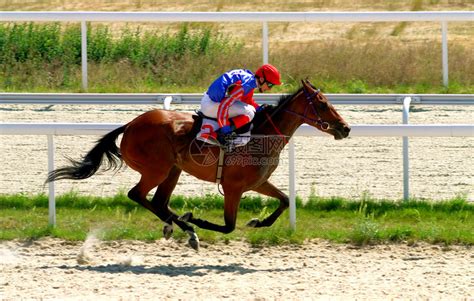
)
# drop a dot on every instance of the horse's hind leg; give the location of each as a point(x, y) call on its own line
point(161, 200)
point(144, 186)
point(159, 205)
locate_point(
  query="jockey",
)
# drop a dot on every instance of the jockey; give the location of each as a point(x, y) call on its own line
point(229, 99)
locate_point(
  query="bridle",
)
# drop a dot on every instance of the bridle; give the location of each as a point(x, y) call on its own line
point(311, 104)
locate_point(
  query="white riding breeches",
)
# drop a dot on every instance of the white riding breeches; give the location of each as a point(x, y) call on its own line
point(210, 108)
point(209, 126)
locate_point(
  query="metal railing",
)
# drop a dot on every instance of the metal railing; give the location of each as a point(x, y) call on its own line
point(195, 98)
point(258, 17)
point(402, 130)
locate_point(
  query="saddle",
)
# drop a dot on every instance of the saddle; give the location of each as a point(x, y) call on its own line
point(239, 137)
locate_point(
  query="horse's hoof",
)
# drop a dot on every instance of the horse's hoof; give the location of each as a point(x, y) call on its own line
point(167, 230)
point(253, 223)
point(193, 240)
point(186, 217)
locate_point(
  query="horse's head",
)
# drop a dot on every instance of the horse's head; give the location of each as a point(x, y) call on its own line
point(317, 111)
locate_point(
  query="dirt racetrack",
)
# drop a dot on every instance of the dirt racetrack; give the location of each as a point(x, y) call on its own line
point(49, 269)
point(354, 167)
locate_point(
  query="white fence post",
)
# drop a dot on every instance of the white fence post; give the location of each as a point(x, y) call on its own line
point(265, 42)
point(51, 198)
point(444, 32)
point(406, 162)
point(167, 102)
point(292, 182)
point(84, 54)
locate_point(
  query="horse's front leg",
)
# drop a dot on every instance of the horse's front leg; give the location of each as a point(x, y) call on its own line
point(269, 190)
point(231, 206)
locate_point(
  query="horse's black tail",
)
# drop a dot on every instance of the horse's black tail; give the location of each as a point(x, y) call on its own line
point(93, 160)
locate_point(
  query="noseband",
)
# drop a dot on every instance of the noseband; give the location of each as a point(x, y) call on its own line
point(311, 104)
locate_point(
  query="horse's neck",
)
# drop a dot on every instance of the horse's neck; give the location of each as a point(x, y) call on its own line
point(287, 122)
point(282, 124)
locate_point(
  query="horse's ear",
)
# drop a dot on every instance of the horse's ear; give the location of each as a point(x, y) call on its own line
point(309, 84)
point(306, 86)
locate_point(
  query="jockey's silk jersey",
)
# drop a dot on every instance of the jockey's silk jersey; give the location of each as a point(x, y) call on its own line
point(231, 81)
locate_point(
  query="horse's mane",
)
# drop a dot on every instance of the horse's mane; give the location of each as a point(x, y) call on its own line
point(261, 117)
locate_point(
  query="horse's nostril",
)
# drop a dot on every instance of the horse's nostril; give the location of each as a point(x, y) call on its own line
point(347, 129)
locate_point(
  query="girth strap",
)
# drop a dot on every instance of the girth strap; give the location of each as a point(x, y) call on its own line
point(220, 165)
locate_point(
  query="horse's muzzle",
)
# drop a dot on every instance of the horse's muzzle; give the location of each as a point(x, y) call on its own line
point(341, 131)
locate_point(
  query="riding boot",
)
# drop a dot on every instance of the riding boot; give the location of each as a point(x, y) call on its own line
point(226, 140)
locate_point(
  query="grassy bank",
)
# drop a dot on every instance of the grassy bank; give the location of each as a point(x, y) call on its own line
point(46, 58)
point(358, 222)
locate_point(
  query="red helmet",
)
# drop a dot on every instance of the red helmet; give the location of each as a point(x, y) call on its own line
point(269, 73)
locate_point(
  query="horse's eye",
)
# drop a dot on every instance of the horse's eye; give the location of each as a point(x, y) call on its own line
point(323, 106)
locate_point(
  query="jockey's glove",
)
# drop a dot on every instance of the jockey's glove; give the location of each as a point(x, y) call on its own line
point(261, 108)
point(227, 129)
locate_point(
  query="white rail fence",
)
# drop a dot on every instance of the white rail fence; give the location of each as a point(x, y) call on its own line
point(258, 17)
point(404, 130)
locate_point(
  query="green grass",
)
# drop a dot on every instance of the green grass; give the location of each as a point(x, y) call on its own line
point(46, 58)
point(358, 222)
point(53, 42)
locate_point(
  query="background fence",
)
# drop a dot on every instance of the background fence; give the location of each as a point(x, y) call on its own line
point(404, 130)
point(259, 17)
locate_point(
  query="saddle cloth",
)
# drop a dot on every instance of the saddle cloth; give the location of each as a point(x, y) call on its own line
point(209, 125)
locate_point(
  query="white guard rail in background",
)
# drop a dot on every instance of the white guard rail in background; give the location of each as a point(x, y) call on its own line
point(403, 130)
point(195, 98)
point(359, 130)
point(259, 17)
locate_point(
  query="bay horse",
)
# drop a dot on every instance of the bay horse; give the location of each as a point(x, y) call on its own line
point(160, 144)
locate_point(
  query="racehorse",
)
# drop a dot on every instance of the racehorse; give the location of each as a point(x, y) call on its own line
point(160, 144)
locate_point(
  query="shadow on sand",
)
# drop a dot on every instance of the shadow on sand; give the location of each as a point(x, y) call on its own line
point(171, 270)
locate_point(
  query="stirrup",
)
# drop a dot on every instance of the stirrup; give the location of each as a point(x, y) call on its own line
point(227, 141)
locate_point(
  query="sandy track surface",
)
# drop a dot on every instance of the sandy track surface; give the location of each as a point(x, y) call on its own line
point(119, 270)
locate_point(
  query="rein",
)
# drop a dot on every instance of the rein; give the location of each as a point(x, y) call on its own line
point(269, 118)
